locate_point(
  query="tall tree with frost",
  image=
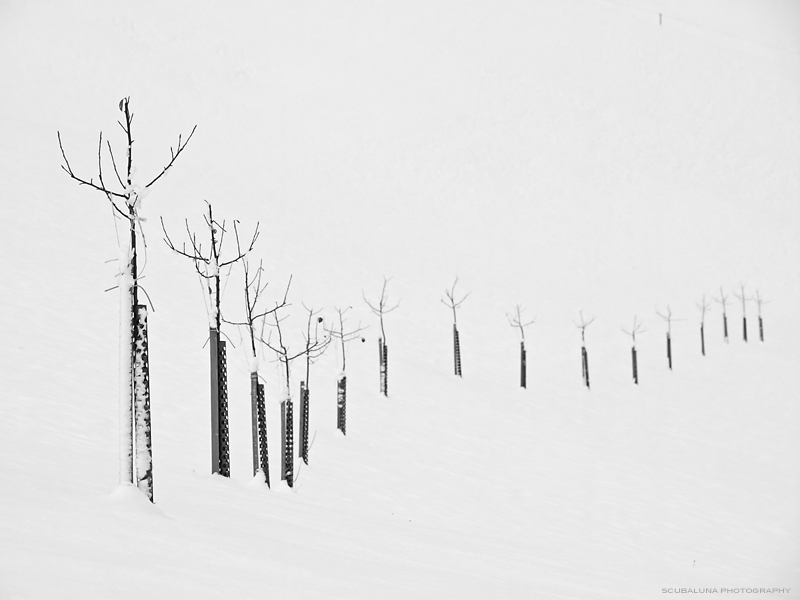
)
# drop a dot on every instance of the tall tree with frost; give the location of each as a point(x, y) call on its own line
point(125, 197)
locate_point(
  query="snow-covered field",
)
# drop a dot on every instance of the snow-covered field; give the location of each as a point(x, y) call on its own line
point(568, 156)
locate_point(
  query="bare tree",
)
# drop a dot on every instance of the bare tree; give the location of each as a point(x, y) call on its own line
point(312, 348)
point(723, 300)
point(637, 328)
point(381, 308)
point(517, 322)
point(703, 307)
point(208, 266)
point(669, 319)
point(759, 302)
point(454, 304)
point(254, 289)
point(744, 300)
point(344, 336)
point(125, 197)
point(315, 347)
point(582, 325)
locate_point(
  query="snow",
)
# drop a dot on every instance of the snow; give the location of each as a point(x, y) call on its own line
point(560, 155)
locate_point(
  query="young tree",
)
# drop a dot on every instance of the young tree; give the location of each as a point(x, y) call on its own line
point(253, 293)
point(285, 358)
point(315, 347)
point(454, 304)
point(669, 319)
point(703, 307)
point(208, 267)
point(344, 336)
point(516, 321)
point(637, 328)
point(584, 354)
point(759, 302)
point(381, 308)
point(125, 197)
point(744, 299)
point(723, 300)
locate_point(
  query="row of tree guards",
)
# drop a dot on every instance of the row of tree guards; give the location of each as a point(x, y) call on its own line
point(135, 444)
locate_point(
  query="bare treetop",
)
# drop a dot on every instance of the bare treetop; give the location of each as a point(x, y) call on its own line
point(583, 324)
point(703, 307)
point(637, 328)
point(451, 301)
point(381, 307)
point(126, 198)
point(516, 321)
point(342, 334)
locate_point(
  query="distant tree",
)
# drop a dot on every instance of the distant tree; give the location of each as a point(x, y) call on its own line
point(637, 328)
point(517, 322)
point(344, 335)
point(703, 307)
point(582, 325)
point(381, 308)
point(125, 197)
point(759, 302)
point(744, 300)
point(669, 319)
point(723, 300)
point(454, 304)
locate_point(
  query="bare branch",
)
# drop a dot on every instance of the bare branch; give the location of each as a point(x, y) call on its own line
point(174, 155)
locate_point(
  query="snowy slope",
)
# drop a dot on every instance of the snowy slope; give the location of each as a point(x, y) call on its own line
point(567, 156)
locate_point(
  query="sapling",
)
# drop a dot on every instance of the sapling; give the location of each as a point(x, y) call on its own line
point(759, 302)
point(637, 328)
point(744, 299)
point(453, 304)
point(134, 393)
point(208, 267)
point(315, 347)
point(381, 308)
point(584, 354)
point(285, 358)
point(723, 300)
point(669, 319)
point(703, 307)
point(516, 321)
point(344, 336)
point(253, 293)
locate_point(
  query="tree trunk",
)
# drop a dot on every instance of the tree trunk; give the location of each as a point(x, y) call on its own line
point(127, 323)
point(523, 371)
point(254, 419)
point(262, 433)
point(341, 404)
point(669, 351)
point(702, 340)
point(456, 351)
point(635, 366)
point(141, 394)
